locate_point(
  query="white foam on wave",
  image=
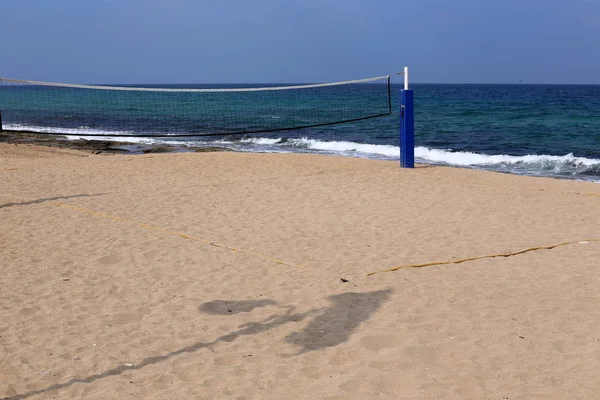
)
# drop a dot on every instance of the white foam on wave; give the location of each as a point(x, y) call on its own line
point(346, 147)
point(565, 165)
point(464, 158)
point(82, 130)
point(267, 141)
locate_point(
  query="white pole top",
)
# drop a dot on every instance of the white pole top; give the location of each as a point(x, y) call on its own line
point(405, 78)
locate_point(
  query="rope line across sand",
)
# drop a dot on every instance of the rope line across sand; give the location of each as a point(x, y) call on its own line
point(182, 235)
point(267, 258)
point(162, 230)
point(514, 253)
point(564, 191)
point(277, 261)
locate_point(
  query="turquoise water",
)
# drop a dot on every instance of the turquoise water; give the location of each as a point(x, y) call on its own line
point(546, 130)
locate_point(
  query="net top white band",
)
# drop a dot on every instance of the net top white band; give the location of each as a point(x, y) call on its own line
point(252, 89)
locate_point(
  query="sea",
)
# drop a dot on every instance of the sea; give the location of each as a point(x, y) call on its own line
point(540, 130)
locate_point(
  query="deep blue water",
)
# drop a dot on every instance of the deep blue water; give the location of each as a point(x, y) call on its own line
point(547, 130)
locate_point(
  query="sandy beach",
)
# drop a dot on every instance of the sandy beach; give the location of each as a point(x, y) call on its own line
point(263, 276)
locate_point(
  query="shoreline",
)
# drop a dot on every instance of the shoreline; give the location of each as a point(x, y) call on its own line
point(97, 146)
point(102, 146)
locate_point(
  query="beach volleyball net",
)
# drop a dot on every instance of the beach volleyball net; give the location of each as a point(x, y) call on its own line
point(189, 110)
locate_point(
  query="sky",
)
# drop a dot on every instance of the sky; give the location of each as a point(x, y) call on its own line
point(273, 41)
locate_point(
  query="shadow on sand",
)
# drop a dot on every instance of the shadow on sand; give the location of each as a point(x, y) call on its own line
point(227, 307)
point(330, 326)
point(44, 200)
point(335, 324)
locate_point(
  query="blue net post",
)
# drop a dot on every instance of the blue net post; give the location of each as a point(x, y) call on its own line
point(407, 129)
point(0, 120)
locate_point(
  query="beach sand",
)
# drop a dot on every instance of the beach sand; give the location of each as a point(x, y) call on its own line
point(245, 276)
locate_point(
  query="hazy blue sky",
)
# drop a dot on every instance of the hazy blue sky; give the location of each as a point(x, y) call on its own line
point(157, 41)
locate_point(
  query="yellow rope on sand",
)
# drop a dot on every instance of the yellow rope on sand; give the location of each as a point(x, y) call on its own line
point(274, 260)
point(562, 191)
point(182, 235)
point(481, 257)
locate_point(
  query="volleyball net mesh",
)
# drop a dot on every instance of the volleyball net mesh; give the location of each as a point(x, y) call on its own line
point(186, 110)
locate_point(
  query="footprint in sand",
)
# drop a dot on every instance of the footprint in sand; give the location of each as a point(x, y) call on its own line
point(378, 342)
point(109, 260)
point(126, 318)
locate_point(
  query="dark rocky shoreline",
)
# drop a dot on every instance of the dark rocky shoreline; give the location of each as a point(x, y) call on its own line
point(96, 146)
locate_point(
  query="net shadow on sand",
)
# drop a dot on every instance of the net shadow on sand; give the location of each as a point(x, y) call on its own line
point(226, 307)
point(48, 199)
point(335, 323)
point(330, 326)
